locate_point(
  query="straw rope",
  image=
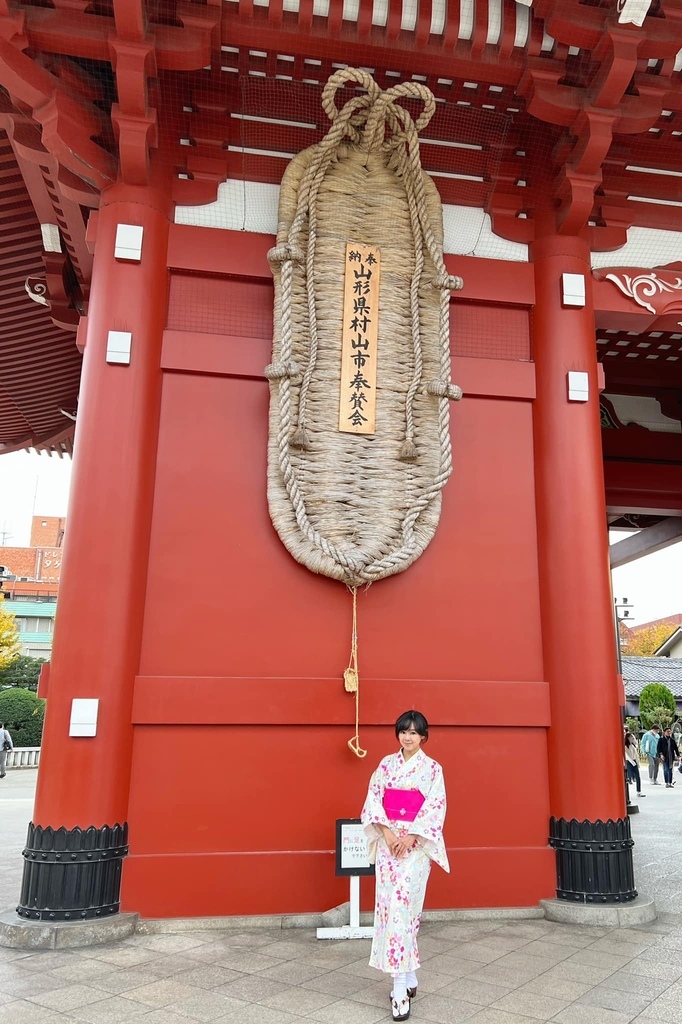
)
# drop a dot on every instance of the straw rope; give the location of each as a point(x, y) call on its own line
point(359, 508)
point(351, 679)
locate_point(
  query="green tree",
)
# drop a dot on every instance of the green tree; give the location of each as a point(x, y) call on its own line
point(9, 637)
point(657, 700)
point(23, 714)
point(632, 725)
point(22, 671)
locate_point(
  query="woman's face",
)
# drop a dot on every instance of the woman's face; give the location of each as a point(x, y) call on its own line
point(410, 740)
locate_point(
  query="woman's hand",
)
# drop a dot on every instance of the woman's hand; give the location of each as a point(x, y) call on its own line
point(403, 845)
point(390, 838)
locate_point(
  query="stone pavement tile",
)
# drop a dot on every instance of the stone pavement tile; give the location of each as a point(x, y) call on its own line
point(583, 973)
point(442, 1011)
point(123, 980)
point(433, 945)
point(526, 929)
point(258, 1015)
point(7, 955)
point(493, 1016)
point(210, 952)
point(556, 988)
point(162, 993)
point(574, 935)
point(20, 1011)
point(30, 984)
point(163, 1016)
point(209, 977)
point(302, 1001)
point(611, 999)
point(593, 958)
point(483, 951)
point(650, 969)
point(6, 997)
point(252, 988)
point(333, 955)
point(632, 935)
point(48, 959)
point(549, 951)
point(667, 1006)
point(539, 1007)
point(662, 955)
point(286, 949)
point(610, 944)
point(493, 975)
point(577, 1014)
point(209, 1006)
point(377, 994)
point(113, 1010)
point(168, 943)
point(82, 971)
point(462, 930)
point(452, 966)
point(336, 983)
point(623, 981)
point(173, 964)
point(128, 956)
point(525, 967)
point(247, 963)
point(293, 973)
point(67, 997)
point(469, 990)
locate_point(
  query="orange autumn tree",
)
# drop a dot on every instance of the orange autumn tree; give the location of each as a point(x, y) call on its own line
point(643, 642)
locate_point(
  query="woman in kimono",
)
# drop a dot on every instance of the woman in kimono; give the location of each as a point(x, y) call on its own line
point(403, 818)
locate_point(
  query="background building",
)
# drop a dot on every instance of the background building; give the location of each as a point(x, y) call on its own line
point(30, 584)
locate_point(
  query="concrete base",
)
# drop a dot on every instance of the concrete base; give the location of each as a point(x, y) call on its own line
point(17, 933)
point(607, 915)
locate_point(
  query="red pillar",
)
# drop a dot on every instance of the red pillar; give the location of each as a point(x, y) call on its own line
point(585, 738)
point(84, 781)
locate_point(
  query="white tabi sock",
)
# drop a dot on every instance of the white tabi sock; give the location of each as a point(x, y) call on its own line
point(399, 987)
point(411, 979)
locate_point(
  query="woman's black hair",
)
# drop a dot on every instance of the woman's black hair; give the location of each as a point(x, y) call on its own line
point(415, 720)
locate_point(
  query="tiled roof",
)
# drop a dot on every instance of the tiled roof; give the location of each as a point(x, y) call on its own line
point(637, 672)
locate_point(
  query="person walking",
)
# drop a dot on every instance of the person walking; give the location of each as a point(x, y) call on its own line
point(5, 746)
point(668, 752)
point(403, 819)
point(632, 762)
point(649, 746)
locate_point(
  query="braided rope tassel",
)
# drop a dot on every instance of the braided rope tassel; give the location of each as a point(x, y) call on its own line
point(351, 679)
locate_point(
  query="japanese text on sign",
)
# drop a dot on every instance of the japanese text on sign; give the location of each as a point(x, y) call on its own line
point(354, 849)
point(357, 406)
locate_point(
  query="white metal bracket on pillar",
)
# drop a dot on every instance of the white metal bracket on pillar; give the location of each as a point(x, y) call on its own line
point(352, 930)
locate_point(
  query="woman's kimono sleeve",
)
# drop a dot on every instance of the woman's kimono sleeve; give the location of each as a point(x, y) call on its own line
point(373, 813)
point(428, 824)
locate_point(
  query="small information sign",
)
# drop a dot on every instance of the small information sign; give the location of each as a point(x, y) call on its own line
point(352, 848)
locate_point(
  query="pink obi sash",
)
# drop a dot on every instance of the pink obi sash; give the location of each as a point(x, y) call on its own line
point(402, 804)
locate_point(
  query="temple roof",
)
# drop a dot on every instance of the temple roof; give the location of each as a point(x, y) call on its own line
point(578, 100)
point(638, 672)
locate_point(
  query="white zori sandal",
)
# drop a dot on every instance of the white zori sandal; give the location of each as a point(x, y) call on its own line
point(400, 1010)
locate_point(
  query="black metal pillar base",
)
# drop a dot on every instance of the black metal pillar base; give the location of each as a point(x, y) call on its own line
point(72, 874)
point(593, 860)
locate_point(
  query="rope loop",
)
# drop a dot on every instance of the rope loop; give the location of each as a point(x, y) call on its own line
point(282, 371)
point(280, 254)
point(444, 389)
point(448, 282)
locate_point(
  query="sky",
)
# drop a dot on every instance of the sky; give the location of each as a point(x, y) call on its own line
point(31, 483)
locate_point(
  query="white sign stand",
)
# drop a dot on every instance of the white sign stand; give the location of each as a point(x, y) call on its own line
point(352, 930)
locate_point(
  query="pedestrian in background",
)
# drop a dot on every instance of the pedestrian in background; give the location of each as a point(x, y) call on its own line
point(632, 762)
point(5, 746)
point(649, 745)
point(668, 753)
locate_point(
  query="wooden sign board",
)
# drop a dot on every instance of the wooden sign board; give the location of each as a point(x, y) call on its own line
point(357, 404)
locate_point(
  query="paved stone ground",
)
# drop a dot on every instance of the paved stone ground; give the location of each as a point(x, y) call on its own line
point(484, 972)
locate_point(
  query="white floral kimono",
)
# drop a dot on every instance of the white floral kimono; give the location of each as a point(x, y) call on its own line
point(401, 881)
